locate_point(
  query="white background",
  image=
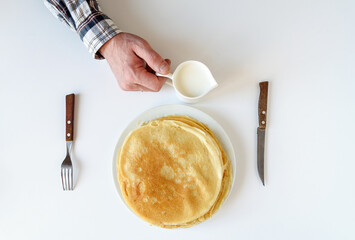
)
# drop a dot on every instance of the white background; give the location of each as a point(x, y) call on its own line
point(304, 48)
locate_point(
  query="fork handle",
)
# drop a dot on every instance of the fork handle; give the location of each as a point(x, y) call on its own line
point(69, 119)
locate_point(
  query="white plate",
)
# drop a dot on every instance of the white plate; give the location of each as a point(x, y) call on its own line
point(166, 110)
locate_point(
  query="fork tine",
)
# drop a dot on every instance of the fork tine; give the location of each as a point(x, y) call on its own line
point(66, 175)
point(62, 176)
point(71, 179)
point(67, 178)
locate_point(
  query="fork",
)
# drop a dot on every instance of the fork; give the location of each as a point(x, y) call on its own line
point(67, 165)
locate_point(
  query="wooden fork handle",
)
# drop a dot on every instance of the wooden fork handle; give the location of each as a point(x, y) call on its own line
point(69, 119)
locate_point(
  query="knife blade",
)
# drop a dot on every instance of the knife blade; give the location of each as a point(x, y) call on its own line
point(262, 110)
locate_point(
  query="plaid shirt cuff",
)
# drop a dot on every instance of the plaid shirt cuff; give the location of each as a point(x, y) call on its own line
point(85, 18)
point(96, 31)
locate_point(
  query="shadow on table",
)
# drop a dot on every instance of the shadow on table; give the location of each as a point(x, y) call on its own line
point(77, 166)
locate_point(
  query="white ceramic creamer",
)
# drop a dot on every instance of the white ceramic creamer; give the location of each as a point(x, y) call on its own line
point(192, 80)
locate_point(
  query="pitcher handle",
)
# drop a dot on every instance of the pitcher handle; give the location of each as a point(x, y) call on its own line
point(169, 81)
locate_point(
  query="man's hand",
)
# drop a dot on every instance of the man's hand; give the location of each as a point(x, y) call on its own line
point(133, 62)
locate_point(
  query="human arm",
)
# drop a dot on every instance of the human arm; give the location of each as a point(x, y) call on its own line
point(86, 19)
point(127, 54)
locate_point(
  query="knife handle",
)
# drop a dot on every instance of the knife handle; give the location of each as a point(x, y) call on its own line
point(69, 119)
point(262, 109)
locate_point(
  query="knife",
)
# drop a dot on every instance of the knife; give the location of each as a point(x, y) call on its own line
point(262, 110)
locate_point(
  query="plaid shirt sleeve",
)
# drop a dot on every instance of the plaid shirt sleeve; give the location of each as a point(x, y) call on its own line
point(85, 18)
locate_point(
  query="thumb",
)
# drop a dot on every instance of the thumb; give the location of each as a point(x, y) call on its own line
point(152, 58)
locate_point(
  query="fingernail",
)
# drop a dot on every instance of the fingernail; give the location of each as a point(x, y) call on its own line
point(164, 67)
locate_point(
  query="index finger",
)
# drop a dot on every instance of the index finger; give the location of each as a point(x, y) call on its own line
point(149, 80)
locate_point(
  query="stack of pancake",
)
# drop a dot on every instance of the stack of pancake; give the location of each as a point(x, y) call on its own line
point(173, 172)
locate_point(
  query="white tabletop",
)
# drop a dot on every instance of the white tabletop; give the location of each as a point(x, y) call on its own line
point(304, 48)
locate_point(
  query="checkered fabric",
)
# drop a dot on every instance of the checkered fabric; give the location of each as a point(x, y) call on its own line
point(85, 18)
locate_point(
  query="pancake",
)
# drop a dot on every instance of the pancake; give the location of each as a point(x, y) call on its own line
point(173, 172)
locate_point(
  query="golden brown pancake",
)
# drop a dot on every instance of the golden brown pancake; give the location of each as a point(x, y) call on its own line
point(173, 172)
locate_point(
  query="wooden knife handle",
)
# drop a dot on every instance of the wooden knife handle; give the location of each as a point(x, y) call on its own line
point(262, 109)
point(69, 119)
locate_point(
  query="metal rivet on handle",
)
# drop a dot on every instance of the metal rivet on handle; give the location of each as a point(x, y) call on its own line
point(68, 134)
point(69, 122)
point(263, 122)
